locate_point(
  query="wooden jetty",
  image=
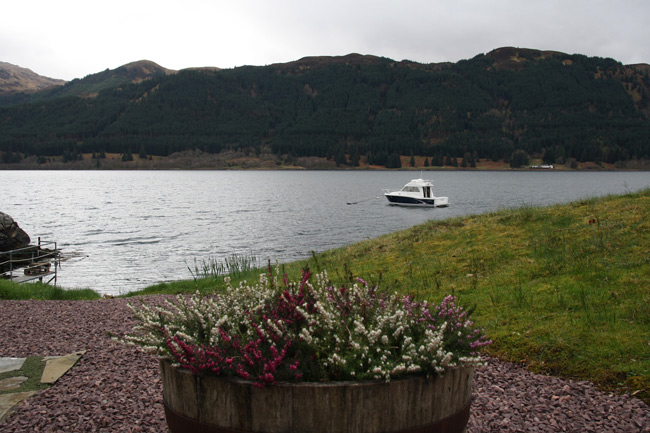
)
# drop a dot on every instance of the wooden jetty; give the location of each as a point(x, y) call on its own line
point(33, 262)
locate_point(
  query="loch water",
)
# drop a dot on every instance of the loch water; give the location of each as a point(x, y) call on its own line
point(124, 230)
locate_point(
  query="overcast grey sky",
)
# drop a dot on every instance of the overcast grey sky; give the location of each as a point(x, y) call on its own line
point(73, 38)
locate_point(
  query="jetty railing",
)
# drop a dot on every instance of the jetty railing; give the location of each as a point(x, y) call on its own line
point(33, 262)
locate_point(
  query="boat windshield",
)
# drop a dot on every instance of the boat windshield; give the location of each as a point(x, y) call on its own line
point(411, 189)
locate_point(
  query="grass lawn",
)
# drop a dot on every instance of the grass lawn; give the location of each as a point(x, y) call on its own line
point(564, 289)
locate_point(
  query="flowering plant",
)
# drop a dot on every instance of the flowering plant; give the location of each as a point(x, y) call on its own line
point(308, 331)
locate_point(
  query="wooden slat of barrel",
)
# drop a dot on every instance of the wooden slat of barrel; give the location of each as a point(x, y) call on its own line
point(404, 405)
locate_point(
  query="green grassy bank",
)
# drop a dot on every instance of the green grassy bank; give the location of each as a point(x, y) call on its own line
point(564, 289)
point(11, 290)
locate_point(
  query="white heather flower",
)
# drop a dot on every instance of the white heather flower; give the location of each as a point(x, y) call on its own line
point(273, 326)
point(359, 328)
point(413, 368)
point(303, 313)
point(183, 336)
point(446, 360)
point(306, 336)
point(471, 360)
point(374, 335)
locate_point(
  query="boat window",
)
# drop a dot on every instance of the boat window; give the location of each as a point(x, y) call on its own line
point(411, 189)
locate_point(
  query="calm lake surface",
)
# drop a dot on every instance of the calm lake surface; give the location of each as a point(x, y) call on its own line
point(124, 230)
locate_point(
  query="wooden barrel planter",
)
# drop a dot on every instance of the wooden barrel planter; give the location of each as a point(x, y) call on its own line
point(210, 404)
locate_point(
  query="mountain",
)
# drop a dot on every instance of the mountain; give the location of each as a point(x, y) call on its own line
point(15, 81)
point(91, 85)
point(510, 104)
point(130, 73)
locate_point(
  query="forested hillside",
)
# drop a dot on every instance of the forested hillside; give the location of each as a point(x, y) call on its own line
point(509, 104)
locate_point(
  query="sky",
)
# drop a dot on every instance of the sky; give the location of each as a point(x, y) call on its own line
point(69, 39)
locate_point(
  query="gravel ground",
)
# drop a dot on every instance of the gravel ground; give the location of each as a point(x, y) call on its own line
point(114, 388)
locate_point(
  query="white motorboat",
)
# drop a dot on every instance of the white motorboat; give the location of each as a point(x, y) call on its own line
point(418, 192)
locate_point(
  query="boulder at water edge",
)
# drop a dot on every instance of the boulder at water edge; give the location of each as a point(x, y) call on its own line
point(11, 236)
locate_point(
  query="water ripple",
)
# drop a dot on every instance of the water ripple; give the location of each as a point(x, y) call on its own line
point(128, 236)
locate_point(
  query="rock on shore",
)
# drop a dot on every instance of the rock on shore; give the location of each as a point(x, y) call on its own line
point(11, 235)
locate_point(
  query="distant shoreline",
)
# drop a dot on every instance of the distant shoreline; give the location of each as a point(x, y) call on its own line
point(196, 160)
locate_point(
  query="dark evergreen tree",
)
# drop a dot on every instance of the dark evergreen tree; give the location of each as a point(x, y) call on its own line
point(549, 155)
point(340, 158)
point(394, 161)
point(355, 159)
point(519, 159)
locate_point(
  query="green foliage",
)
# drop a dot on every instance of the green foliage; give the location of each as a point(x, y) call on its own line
point(202, 285)
point(235, 265)
point(11, 290)
point(557, 107)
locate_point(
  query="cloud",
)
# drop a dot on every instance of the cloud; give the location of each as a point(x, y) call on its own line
point(73, 38)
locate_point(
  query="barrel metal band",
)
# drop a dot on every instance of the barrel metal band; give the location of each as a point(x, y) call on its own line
point(454, 423)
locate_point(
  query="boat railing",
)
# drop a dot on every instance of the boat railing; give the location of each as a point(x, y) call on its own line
point(35, 262)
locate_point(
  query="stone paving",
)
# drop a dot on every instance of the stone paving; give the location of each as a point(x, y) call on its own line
point(55, 367)
point(11, 364)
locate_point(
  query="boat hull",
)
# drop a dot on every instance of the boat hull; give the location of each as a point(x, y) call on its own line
point(400, 200)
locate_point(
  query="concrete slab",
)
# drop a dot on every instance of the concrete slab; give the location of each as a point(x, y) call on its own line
point(8, 401)
point(11, 383)
point(57, 367)
point(11, 364)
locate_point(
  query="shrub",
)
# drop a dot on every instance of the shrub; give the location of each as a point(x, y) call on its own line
point(308, 330)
